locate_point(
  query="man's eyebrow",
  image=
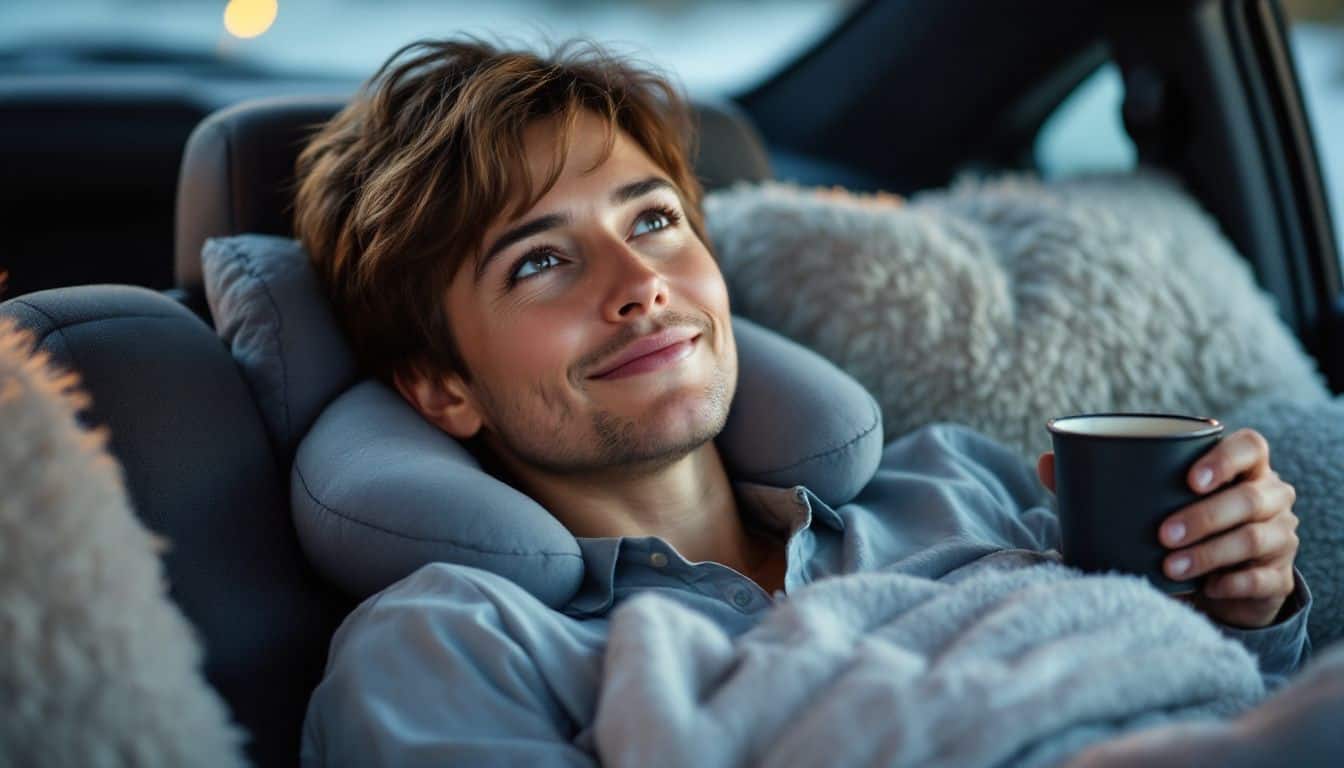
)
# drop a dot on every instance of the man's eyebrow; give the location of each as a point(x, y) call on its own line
point(628, 192)
point(520, 232)
point(622, 194)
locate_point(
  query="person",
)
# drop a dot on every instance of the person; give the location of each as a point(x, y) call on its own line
point(515, 243)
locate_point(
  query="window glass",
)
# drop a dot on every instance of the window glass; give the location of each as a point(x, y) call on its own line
point(712, 46)
point(1317, 35)
point(1085, 133)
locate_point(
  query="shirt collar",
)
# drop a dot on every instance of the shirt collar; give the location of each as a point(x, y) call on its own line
point(781, 511)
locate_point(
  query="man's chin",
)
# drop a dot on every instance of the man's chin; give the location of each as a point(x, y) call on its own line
point(676, 423)
point(653, 451)
point(681, 409)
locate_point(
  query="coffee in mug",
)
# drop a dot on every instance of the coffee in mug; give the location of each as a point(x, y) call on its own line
point(1118, 476)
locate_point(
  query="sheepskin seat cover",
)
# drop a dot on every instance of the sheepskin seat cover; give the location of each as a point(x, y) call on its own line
point(98, 668)
point(1002, 303)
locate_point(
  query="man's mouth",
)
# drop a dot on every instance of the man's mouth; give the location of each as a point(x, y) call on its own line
point(651, 353)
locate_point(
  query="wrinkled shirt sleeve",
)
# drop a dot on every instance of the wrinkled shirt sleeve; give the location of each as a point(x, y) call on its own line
point(432, 672)
point(1282, 647)
point(966, 485)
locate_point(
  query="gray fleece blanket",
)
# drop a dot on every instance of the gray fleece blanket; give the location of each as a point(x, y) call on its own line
point(1012, 659)
point(1298, 726)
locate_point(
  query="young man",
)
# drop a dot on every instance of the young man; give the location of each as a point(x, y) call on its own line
point(515, 244)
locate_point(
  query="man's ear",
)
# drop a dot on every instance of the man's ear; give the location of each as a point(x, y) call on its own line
point(443, 399)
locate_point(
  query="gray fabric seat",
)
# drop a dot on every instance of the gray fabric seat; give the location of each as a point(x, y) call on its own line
point(200, 472)
point(198, 464)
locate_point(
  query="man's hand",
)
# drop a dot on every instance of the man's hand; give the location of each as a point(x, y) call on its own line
point(1244, 534)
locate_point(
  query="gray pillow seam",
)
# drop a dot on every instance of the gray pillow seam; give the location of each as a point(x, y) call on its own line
point(59, 327)
point(302, 481)
point(876, 412)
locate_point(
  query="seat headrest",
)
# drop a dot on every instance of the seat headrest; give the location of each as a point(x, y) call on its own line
point(377, 491)
point(237, 174)
point(238, 168)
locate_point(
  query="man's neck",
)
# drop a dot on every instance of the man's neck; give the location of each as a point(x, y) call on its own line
point(689, 503)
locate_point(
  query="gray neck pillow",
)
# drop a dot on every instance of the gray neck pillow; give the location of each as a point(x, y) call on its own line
point(378, 492)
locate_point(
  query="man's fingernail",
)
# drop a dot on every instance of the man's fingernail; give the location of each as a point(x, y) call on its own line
point(1175, 532)
point(1203, 477)
point(1180, 565)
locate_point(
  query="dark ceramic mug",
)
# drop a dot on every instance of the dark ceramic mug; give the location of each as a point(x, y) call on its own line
point(1118, 476)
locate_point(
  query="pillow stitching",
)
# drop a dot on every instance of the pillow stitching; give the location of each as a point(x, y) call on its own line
point(59, 330)
point(245, 259)
point(470, 548)
point(60, 327)
point(40, 311)
point(876, 412)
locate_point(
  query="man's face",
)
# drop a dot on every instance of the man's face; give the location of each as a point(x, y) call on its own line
point(602, 262)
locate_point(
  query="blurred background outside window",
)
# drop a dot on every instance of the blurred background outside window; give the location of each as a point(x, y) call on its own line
point(1085, 133)
point(712, 47)
point(1318, 53)
point(715, 47)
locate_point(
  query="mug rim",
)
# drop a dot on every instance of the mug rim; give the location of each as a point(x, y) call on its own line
point(1212, 426)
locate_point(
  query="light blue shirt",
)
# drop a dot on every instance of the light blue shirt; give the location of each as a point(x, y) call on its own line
point(457, 666)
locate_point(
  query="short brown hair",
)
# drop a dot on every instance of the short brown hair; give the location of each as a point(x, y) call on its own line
point(398, 189)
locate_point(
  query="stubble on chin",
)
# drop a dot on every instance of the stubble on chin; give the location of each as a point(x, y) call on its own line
point(624, 442)
point(614, 440)
point(547, 436)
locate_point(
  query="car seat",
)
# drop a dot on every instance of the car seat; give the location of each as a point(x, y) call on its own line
point(198, 463)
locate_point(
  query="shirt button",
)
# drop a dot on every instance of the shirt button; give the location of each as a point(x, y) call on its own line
point(741, 597)
point(658, 560)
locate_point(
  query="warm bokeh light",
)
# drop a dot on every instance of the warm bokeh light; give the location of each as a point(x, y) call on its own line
point(249, 18)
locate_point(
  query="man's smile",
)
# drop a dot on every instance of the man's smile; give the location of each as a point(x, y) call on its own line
point(675, 349)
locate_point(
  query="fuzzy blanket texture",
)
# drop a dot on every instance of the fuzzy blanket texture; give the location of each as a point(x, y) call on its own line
point(1003, 303)
point(98, 667)
point(1012, 659)
point(1298, 726)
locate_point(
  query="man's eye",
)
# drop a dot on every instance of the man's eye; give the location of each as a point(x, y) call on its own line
point(531, 264)
point(656, 219)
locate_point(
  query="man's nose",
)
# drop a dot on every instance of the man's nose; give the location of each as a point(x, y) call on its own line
point(634, 283)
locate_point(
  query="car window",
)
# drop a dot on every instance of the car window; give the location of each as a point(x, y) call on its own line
point(1085, 133)
point(1317, 35)
point(712, 46)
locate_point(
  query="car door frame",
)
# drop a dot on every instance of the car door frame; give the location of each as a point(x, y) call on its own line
point(1212, 94)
